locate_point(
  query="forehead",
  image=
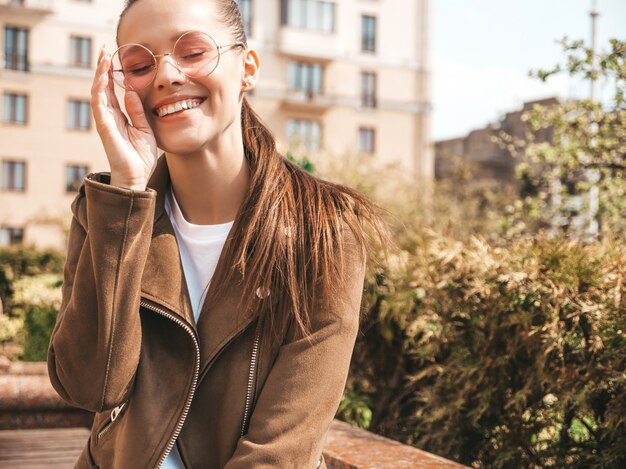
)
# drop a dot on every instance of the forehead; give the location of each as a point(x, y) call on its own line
point(157, 23)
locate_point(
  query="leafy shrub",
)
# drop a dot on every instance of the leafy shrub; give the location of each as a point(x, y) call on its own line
point(498, 357)
point(38, 324)
point(9, 328)
point(493, 351)
point(20, 261)
point(36, 302)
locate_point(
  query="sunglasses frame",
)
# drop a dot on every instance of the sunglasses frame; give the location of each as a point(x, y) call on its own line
point(220, 49)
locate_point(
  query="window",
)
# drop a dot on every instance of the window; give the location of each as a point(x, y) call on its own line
point(14, 108)
point(304, 132)
point(80, 51)
point(13, 176)
point(16, 48)
point(9, 236)
point(368, 89)
point(74, 175)
point(245, 7)
point(305, 76)
point(78, 114)
point(318, 15)
point(368, 33)
point(366, 140)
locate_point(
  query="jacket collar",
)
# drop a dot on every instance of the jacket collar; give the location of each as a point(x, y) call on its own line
point(164, 282)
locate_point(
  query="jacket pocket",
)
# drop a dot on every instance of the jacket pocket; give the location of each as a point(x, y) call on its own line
point(113, 417)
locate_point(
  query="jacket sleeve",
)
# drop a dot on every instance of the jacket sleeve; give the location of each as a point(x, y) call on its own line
point(94, 347)
point(303, 390)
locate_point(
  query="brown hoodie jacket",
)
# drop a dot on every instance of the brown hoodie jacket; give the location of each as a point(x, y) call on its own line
point(126, 347)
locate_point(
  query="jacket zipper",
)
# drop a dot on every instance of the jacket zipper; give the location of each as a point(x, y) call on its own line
point(251, 378)
point(196, 372)
point(114, 415)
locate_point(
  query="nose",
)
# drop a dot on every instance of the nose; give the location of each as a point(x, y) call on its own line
point(168, 73)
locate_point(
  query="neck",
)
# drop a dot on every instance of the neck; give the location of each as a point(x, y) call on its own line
point(209, 185)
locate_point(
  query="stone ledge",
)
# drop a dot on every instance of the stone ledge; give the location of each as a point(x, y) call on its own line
point(28, 401)
point(347, 447)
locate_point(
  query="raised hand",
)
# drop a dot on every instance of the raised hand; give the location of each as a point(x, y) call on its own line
point(130, 146)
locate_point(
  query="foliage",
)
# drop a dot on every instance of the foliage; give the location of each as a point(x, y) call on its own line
point(39, 321)
point(20, 261)
point(36, 302)
point(499, 357)
point(9, 328)
point(586, 156)
point(304, 162)
point(456, 206)
point(492, 351)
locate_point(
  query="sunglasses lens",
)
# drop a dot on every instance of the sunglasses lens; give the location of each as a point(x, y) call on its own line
point(196, 54)
point(133, 67)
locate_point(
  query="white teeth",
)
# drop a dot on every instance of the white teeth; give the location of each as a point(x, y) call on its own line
point(178, 106)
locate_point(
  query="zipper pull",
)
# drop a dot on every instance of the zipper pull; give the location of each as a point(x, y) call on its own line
point(115, 412)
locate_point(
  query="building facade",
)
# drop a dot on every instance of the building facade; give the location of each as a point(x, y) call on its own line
point(479, 148)
point(337, 77)
point(48, 141)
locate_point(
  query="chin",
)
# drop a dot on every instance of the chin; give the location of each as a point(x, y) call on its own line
point(181, 150)
point(181, 144)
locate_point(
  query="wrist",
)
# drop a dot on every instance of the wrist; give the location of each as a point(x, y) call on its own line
point(136, 185)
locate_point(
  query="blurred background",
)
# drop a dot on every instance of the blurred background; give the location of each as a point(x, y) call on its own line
point(394, 81)
point(492, 132)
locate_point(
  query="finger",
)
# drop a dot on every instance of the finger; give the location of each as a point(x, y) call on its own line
point(135, 110)
point(110, 92)
point(99, 101)
point(105, 107)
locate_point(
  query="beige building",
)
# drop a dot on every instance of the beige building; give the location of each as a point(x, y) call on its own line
point(480, 149)
point(337, 77)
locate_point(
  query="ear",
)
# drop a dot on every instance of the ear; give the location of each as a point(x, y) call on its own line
point(251, 68)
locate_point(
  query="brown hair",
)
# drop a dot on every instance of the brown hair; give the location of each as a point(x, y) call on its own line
point(287, 238)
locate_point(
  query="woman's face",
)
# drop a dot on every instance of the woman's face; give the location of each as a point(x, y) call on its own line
point(156, 24)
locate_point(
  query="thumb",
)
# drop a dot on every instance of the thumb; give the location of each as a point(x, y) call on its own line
point(135, 110)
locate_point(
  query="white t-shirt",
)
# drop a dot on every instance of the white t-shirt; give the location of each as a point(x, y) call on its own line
point(200, 247)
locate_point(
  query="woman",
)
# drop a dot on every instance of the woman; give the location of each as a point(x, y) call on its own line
point(250, 372)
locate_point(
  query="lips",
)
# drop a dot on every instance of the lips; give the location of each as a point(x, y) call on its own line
point(176, 104)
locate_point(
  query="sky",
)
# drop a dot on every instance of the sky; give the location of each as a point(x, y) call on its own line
point(483, 49)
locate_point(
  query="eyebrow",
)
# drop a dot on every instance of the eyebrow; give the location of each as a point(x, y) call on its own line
point(172, 39)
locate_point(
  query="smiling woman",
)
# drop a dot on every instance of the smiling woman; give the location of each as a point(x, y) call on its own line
point(212, 293)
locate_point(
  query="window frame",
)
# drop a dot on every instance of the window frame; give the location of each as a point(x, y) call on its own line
point(301, 74)
point(247, 15)
point(14, 60)
point(372, 140)
point(305, 138)
point(12, 97)
point(369, 98)
point(367, 39)
point(11, 238)
point(76, 51)
point(12, 188)
point(77, 115)
point(309, 15)
point(75, 183)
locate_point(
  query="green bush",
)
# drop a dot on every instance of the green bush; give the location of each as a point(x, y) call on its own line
point(38, 324)
point(497, 356)
point(494, 351)
point(21, 261)
point(35, 304)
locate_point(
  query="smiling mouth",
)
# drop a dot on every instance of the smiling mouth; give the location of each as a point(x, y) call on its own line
point(177, 107)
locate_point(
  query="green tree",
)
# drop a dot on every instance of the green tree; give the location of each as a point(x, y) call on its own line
point(587, 152)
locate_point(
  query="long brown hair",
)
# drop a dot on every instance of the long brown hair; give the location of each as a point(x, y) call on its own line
point(287, 239)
